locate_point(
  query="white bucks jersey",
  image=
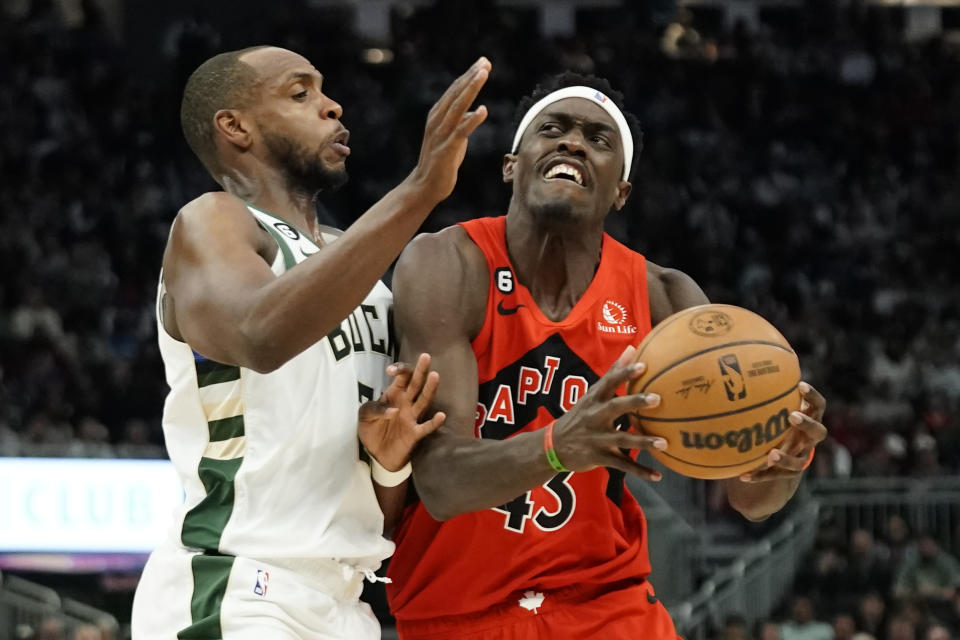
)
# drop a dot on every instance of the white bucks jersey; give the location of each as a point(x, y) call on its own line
point(270, 462)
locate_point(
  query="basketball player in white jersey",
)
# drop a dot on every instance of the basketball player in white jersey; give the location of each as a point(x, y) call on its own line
point(273, 332)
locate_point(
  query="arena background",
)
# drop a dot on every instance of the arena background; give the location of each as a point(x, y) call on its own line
point(801, 160)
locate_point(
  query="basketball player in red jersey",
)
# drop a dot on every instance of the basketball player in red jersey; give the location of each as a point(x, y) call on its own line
point(525, 529)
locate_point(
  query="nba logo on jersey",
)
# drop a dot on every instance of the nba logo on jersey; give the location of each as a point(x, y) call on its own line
point(260, 588)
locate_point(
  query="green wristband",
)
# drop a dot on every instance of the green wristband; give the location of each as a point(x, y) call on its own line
point(552, 456)
point(555, 461)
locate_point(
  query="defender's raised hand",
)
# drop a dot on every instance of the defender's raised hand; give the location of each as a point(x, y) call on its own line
point(390, 427)
point(449, 124)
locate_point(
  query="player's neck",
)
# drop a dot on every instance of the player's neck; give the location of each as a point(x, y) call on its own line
point(556, 263)
point(298, 209)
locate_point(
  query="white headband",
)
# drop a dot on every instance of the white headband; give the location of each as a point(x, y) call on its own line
point(596, 97)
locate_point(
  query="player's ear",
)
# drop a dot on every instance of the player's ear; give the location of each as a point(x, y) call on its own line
point(231, 125)
point(623, 192)
point(509, 163)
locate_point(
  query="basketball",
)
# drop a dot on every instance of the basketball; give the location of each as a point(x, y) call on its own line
point(727, 380)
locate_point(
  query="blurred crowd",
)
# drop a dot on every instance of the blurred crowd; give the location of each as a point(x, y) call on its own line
point(806, 169)
point(900, 585)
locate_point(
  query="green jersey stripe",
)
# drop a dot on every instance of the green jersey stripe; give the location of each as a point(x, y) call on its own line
point(210, 575)
point(226, 428)
point(219, 373)
point(203, 525)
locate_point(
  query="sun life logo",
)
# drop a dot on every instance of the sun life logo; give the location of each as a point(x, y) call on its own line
point(615, 319)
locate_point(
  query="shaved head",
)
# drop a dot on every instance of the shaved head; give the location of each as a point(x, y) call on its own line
point(222, 82)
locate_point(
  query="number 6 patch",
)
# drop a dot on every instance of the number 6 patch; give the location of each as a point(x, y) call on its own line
point(504, 279)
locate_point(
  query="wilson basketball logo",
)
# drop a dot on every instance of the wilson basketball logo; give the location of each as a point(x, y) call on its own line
point(743, 440)
point(615, 319)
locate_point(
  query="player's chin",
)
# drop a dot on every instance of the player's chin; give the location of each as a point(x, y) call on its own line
point(335, 177)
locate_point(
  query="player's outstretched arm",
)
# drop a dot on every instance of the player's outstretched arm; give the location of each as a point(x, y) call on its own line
point(440, 286)
point(230, 307)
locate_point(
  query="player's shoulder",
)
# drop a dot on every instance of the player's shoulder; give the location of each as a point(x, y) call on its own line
point(671, 290)
point(212, 218)
point(443, 268)
point(213, 204)
point(449, 252)
point(666, 277)
point(214, 211)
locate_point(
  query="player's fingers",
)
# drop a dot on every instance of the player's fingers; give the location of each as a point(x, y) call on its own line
point(419, 376)
point(426, 396)
point(440, 108)
point(401, 372)
point(426, 428)
point(808, 426)
point(630, 403)
point(373, 410)
point(767, 475)
point(460, 104)
point(783, 460)
point(625, 358)
point(627, 464)
point(816, 403)
point(606, 386)
point(471, 121)
point(626, 440)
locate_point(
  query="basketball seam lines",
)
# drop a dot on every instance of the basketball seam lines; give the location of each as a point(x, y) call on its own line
point(720, 415)
point(700, 353)
point(712, 466)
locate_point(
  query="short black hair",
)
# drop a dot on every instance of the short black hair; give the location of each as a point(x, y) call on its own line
point(573, 79)
point(222, 82)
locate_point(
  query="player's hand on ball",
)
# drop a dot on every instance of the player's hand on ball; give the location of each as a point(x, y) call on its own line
point(806, 432)
point(586, 437)
point(390, 427)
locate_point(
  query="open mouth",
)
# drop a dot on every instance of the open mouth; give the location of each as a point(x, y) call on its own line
point(564, 171)
point(339, 142)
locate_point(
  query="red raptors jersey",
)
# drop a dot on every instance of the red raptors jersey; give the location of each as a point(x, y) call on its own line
point(578, 528)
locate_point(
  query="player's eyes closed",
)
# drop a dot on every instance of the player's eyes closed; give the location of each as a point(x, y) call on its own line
point(301, 96)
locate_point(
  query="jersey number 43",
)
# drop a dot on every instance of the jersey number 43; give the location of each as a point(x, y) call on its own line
point(520, 509)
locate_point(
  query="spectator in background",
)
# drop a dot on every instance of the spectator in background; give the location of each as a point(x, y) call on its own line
point(768, 630)
point(86, 632)
point(872, 612)
point(844, 626)
point(51, 628)
point(898, 539)
point(803, 624)
point(901, 628)
point(735, 628)
point(928, 573)
point(937, 631)
point(868, 564)
point(926, 456)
